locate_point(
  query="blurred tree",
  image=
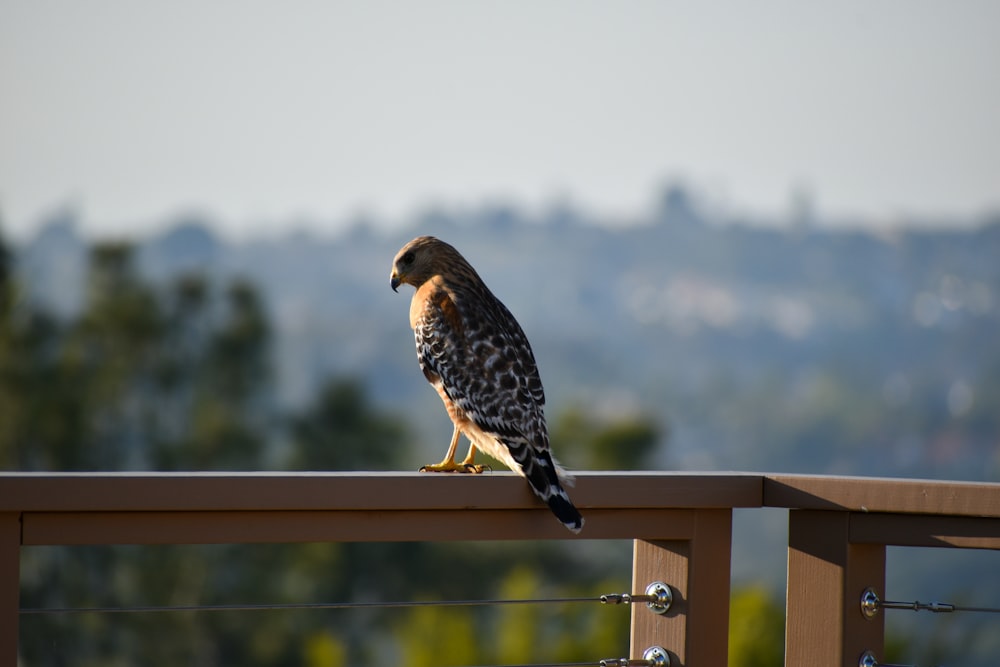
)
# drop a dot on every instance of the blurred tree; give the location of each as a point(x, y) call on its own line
point(40, 418)
point(430, 635)
point(169, 378)
point(324, 650)
point(756, 629)
point(6, 264)
point(141, 377)
point(106, 359)
point(589, 442)
point(216, 369)
point(518, 627)
point(342, 431)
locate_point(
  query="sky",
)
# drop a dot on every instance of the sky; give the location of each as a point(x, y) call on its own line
point(264, 115)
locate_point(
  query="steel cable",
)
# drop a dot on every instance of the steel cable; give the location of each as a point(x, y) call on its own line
point(613, 598)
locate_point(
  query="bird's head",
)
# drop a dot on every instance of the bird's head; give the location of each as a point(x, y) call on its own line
point(419, 260)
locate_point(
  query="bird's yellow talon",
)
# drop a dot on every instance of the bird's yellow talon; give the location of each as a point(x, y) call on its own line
point(451, 466)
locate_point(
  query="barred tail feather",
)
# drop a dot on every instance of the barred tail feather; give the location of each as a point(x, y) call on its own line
point(543, 478)
point(564, 510)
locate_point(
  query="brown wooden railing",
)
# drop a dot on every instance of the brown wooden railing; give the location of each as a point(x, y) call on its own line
point(681, 524)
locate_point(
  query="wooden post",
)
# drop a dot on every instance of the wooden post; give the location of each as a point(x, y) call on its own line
point(824, 626)
point(10, 586)
point(666, 561)
point(696, 629)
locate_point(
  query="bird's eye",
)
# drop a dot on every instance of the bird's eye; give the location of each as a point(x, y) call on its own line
point(408, 258)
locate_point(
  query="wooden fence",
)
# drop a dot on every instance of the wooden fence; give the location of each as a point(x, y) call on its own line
point(681, 524)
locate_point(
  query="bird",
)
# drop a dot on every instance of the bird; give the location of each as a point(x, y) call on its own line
point(475, 354)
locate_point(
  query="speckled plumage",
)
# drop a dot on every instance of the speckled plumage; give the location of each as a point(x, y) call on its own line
point(475, 354)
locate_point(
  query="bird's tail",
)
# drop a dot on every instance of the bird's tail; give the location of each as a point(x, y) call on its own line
point(543, 478)
point(565, 511)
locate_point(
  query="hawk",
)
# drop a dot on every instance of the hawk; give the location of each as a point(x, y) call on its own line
point(474, 353)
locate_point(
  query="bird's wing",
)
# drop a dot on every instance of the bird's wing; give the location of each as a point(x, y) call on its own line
point(483, 360)
point(477, 353)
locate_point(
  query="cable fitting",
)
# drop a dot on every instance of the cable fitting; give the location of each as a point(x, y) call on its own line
point(654, 656)
point(871, 604)
point(658, 597)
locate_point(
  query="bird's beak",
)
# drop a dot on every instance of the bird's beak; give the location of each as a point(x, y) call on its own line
point(395, 280)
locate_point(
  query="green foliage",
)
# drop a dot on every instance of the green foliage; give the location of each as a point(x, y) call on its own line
point(214, 376)
point(324, 650)
point(520, 633)
point(186, 575)
point(592, 443)
point(431, 635)
point(756, 629)
point(518, 627)
point(341, 431)
point(142, 377)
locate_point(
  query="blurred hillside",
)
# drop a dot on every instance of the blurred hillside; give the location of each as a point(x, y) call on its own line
point(789, 347)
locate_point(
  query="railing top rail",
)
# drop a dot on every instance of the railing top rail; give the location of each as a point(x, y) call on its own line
point(330, 491)
point(880, 494)
point(401, 491)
